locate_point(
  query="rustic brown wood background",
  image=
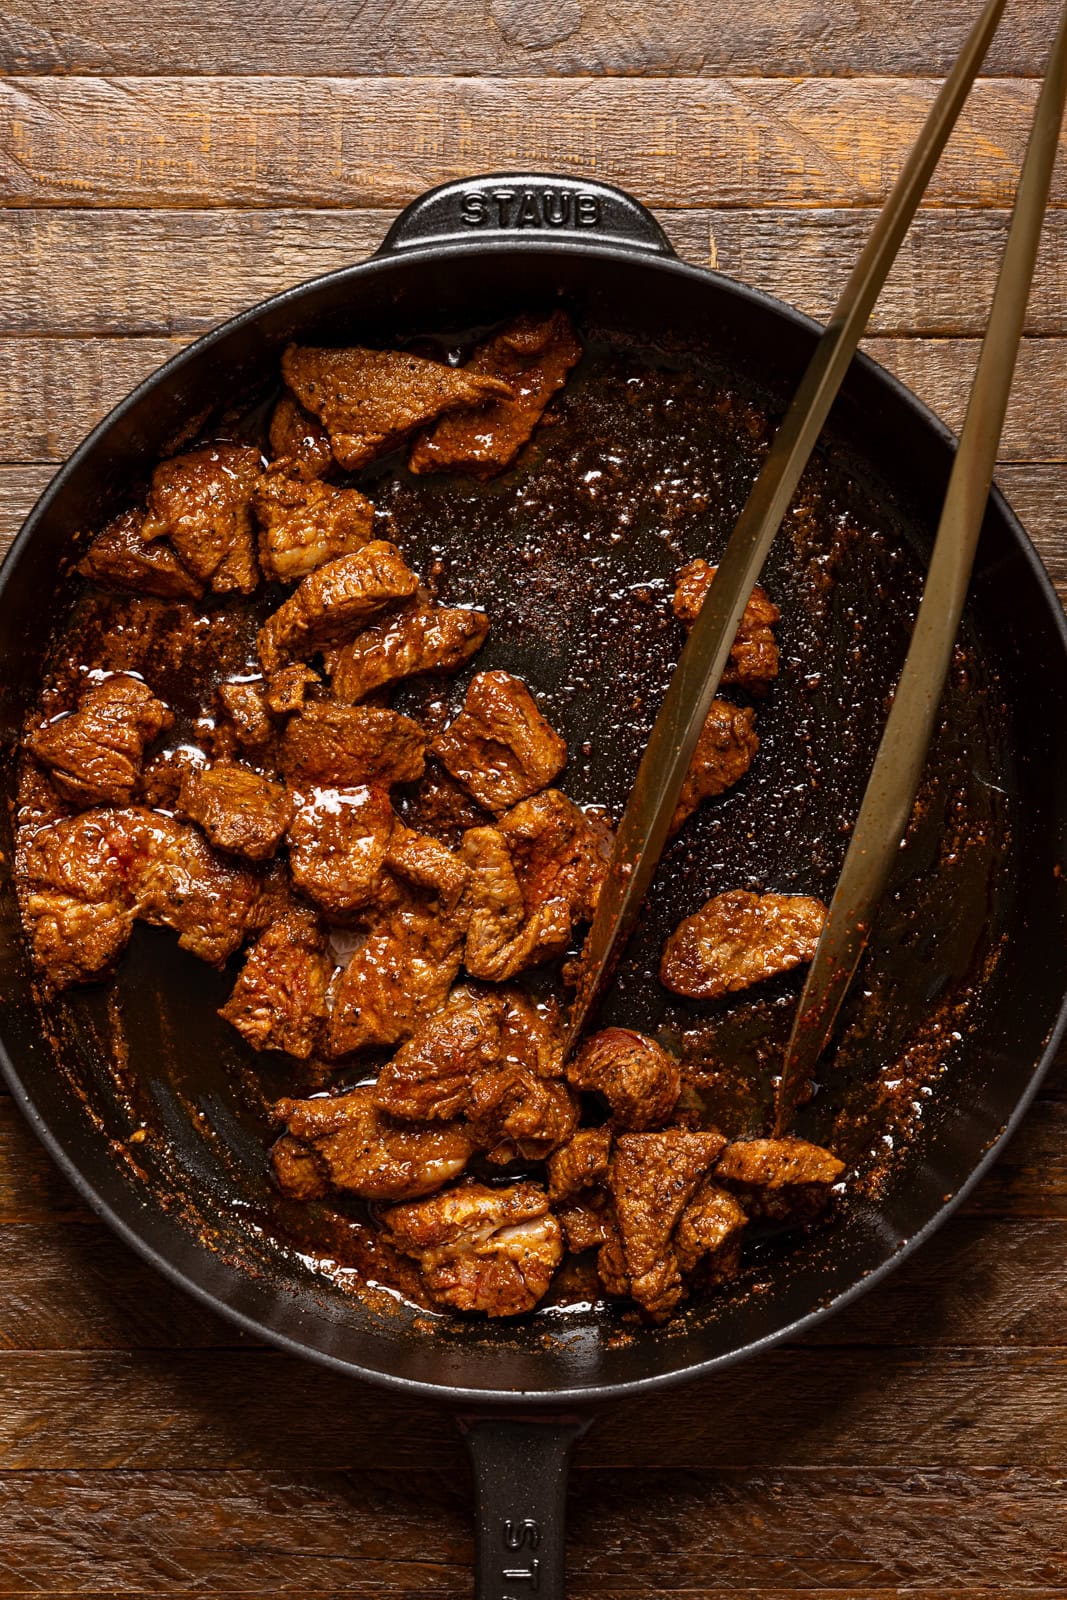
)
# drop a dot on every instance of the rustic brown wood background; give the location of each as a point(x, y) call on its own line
point(166, 163)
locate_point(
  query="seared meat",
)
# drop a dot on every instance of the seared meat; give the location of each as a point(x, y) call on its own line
point(420, 638)
point(344, 1142)
point(371, 400)
point(427, 864)
point(94, 755)
point(754, 654)
point(287, 690)
point(559, 852)
point(636, 1076)
point(500, 747)
point(709, 1235)
point(577, 1178)
point(84, 880)
point(334, 602)
point(297, 436)
point(533, 356)
point(737, 939)
point(279, 1001)
point(725, 751)
point(304, 523)
point(480, 1249)
point(501, 939)
point(161, 780)
point(245, 705)
point(492, 1056)
point(787, 1180)
point(238, 810)
point(350, 745)
point(119, 558)
point(337, 844)
point(442, 807)
point(200, 501)
point(653, 1178)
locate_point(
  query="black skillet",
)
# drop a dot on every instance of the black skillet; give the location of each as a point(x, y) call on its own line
point(962, 997)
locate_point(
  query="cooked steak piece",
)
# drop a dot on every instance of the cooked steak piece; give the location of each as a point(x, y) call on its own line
point(481, 1249)
point(119, 558)
point(739, 938)
point(638, 1079)
point(515, 1115)
point(303, 523)
point(86, 878)
point(709, 1236)
point(245, 705)
point(201, 502)
point(344, 1142)
point(295, 435)
point(725, 750)
point(427, 864)
point(502, 939)
point(351, 745)
point(279, 1001)
point(653, 1177)
point(95, 754)
point(559, 852)
point(287, 690)
point(337, 844)
point(419, 638)
point(533, 356)
point(161, 780)
point(334, 602)
point(577, 1180)
point(240, 811)
point(787, 1180)
point(442, 807)
point(754, 654)
point(371, 400)
point(500, 747)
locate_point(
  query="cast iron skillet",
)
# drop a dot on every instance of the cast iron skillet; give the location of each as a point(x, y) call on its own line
point(463, 255)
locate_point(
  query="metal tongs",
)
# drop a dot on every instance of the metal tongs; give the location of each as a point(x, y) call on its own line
point(894, 780)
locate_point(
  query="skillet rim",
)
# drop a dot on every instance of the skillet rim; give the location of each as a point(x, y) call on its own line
point(488, 1399)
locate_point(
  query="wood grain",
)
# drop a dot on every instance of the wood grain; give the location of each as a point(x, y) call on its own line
point(261, 142)
point(505, 37)
point(175, 272)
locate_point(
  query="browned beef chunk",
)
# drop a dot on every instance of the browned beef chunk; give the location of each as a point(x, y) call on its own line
point(754, 654)
point(442, 807)
point(337, 847)
point(279, 1001)
point(297, 436)
point(787, 1180)
point(636, 1076)
point(709, 1235)
point(86, 878)
point(533, 356)
point(304, 523)
point(334, 602)
point(161, 781)
point(577, 1180)
point(287, 690)
point(344, 1142)
point(245, 706)
point(481, 1249)
point(239, 811)
point(500, 747)
point(119, 558)
point(737, 939)
point(653, 1178)
point(371, 400)
point(501, 939)
point(725, 750)
point(559, 852)
point(420, 638)
point(351, 745)
point(94, 755)
point(493, 1057)
point(201, 502)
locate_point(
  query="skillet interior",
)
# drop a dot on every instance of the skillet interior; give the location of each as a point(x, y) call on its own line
point(1005, 900)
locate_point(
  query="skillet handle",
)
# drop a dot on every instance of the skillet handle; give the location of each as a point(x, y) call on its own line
point(520, 1496)
point(533, 208)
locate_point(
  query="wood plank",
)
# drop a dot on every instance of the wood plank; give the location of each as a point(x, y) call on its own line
point(516, 36)
point(261, 142)
point(165, 272)
point(56, 389)
point(797, 1407)
point(632, 1532)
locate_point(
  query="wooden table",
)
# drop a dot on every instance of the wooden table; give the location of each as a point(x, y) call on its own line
point(166, 164)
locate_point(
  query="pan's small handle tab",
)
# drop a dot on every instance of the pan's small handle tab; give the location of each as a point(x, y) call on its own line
point(531, 207)
point(520, 1499)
